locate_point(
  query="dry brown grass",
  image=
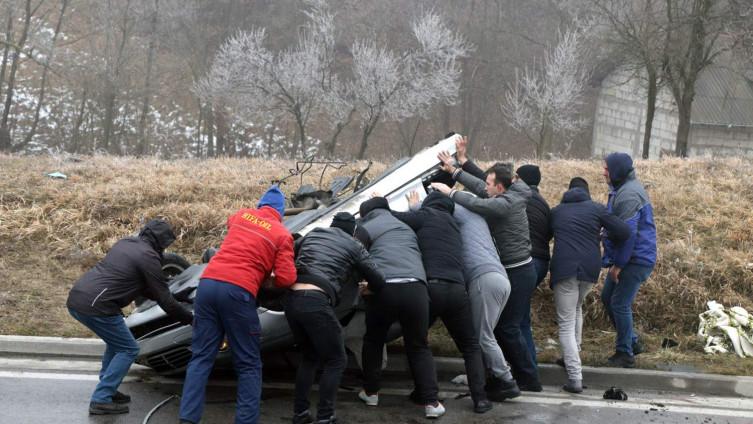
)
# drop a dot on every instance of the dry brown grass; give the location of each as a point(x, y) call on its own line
point(51, 231)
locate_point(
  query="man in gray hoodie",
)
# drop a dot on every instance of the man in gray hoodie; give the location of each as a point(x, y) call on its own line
point(502, 203)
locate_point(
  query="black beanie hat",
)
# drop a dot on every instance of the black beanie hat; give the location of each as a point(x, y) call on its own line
point(344, 221)
point(373, 203)
point(578, 182)
point(530, 174)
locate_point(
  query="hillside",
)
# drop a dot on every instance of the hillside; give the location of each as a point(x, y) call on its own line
point(52, 230)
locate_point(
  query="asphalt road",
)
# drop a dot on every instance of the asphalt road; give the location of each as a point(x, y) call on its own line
point(57, 391)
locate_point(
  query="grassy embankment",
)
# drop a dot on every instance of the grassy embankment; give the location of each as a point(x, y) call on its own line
point(51, 231)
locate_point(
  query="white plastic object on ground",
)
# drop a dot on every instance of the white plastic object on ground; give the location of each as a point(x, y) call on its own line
point(725, 330)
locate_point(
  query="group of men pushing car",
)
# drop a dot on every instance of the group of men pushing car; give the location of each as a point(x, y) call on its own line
point(471, 258)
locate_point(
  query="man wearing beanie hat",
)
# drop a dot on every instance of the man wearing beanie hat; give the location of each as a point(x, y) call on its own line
point(501, 200)
point(440, 242)
point(257, 244)
point(538, 212)
point(326, 260)
point(132, 268)
point(576, 224)
point(631, 263)
point(405, 298)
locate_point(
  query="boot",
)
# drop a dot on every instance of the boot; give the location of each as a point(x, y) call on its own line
point(119, 397)
point(498, 389)
point(112, 408)
point(622, 360)
point(573, 386)
point(303, 418)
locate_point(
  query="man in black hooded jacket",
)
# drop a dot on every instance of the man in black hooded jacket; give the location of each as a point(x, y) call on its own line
point(439, 240)
point(326, 260)
point(132, 268)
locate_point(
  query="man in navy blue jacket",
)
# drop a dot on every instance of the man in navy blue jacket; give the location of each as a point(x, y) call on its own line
point(576, 224)
point(630, 263)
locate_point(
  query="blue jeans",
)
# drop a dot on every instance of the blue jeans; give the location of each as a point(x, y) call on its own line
point(542, 268)
point(618, 298)
point(224, 310)
point(121, 350)
point(522, 285)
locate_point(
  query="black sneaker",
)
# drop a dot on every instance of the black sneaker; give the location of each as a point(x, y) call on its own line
point(482, 406)
point(303, 418)
point(112, 408)
point(622, 360)
point(638, 347)
point(330, 420)
point(119, 397)
point(499, 390)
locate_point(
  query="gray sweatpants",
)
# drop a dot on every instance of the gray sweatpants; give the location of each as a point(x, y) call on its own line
point(488, 294)
point(568, 300)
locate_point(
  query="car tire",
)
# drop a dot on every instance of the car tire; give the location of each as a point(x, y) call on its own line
point(173, 264)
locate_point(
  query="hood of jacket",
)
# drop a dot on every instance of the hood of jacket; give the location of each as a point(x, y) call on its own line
point(371, 204)
point(575, 195)
point(620, 166)
point(158, 234)
point(437, 200)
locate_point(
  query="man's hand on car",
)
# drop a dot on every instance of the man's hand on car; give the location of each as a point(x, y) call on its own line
point(441, 187)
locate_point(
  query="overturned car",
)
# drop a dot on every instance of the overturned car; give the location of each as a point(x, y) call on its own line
point(165, 343)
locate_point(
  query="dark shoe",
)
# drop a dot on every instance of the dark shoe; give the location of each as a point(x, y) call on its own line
point(482, 406)
point(111, 408)
point(622, 360)
point(330, 420)
point(638, 347)
point(499, 390)
point(560, 362)
point(186, 422)
point(121, 398)
point(531, 387)
point(303, 418)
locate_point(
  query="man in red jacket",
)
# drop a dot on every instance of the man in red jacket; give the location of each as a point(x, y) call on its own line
point(256, 244)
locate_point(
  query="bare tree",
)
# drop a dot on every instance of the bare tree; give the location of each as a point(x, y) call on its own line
point(143, 143)
point(697, 33)
point(254, 80)
point(636, 35)
point(49, 56)
point(29, 11)
point(390, 85)
point(544, 100)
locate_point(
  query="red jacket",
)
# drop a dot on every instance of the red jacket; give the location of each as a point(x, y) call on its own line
point(256, 244)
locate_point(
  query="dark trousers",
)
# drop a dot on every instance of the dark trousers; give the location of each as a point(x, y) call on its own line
point(407, 303)
point(450, 302)
point(318, 334)
point(522, 285)
point(224, 310)
point(542, 268)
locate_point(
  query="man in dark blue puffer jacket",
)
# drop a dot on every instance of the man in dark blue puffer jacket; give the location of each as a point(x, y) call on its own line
point(630, 263)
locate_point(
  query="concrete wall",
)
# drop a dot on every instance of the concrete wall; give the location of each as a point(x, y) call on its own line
point(621, 115)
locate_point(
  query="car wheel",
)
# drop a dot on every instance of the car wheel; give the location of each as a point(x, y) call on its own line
point(173, 264)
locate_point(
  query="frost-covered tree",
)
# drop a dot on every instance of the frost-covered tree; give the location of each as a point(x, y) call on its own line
point(255, 81)
point(545, 99)
point(399, 85)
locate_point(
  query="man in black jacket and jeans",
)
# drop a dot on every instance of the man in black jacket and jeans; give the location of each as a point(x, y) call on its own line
point(440, 241)
point(132, 268)
point(539, 215)
point(326, 259)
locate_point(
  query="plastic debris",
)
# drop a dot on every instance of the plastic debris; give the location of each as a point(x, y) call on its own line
point(461, 379)
point(57, 175)
point(726, 330)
